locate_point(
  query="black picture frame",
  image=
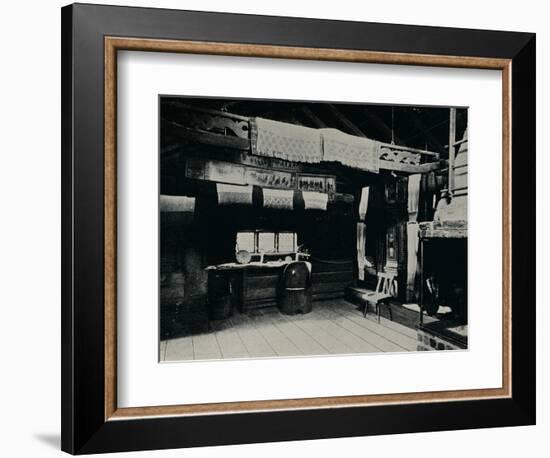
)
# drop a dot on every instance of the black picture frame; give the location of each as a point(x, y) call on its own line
point(84, 427)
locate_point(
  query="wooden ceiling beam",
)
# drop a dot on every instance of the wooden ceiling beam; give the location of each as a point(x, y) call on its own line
point(344, 120)
point(207, 138)
point(411, 168)
point(317, 122)
point(382, 126)
point(419, 124)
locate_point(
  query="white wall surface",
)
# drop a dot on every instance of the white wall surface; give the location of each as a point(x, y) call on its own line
point(30, 226)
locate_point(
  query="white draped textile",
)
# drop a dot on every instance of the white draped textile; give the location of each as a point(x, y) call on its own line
point(413, 195)
point(280, 199)
point(364, 203)
point(412, 230)
point(315, 200)
point(357, 152)
point(177, 204)
point(231, 194)
point(361, 259)
point(361, 233)
point(286, 141)
point(412, 254)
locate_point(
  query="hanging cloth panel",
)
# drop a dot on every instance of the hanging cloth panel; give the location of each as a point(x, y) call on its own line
point(361, 233)
point(364, 203)
point(177, 204)
point(361, 258)
point(357, 152)
point(315, 200)
point(286, 141)
point(412, 257)
point(279, 199)
point(413, 196)
point(230, 194)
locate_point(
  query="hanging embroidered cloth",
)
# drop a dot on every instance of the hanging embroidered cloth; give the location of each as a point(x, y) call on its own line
point(286, 141)
point(315, 200)
point(361, 258)
point(357, 152)
point(412, 255)
point(413, 195)
point(231, 194)
point(177, 204)
point(364, 203)
point(280, 199)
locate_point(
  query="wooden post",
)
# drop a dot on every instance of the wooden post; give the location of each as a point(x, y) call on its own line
point(452, 139)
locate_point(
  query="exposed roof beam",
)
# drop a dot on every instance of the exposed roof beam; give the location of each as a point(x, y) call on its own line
point(411, 168)
point(419, 124)
point(382, 126)
point(313, 118)
point(207, 138)
point(345, 121)
point(184, 106)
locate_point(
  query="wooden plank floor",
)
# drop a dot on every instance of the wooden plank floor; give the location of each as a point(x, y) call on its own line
point(333, 327)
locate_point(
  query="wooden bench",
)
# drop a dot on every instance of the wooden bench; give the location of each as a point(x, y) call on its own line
point(386, 289)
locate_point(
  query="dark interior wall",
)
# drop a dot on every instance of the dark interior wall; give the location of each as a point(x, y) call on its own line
point(183, 280)
point(449, 273)
point(190, 243)
point(324, 234)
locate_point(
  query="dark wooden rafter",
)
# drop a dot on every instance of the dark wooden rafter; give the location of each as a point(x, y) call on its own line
point(185, 106)
point(317, 122)
point(430, 137)
point(379, 123)
point(410, 168)
point(345, 121)
point(208, 138)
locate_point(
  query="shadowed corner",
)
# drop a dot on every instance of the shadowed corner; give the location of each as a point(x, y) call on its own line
point(50, 439)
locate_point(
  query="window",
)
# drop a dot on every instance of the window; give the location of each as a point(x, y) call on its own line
point(245, 241)
point(266, 242)
point(287, 242)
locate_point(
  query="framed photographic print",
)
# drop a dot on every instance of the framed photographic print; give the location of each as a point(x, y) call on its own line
point(282, 228)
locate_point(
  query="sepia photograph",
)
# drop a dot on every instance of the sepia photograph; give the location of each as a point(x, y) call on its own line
point(310, 228)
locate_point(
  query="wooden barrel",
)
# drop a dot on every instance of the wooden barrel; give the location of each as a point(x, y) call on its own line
point(296, 293)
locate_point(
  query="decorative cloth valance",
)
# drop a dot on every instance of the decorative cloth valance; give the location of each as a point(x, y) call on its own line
point(280, 199)
point(180, 204)
point(303, 144)
point(286, 141)
point(230, 194)
point(357, 152)
point(315, 200)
